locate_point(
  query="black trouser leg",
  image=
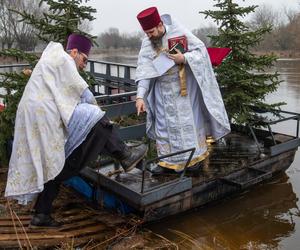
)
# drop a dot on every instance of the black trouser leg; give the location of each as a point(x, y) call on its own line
point(43, 204)
point(102, 137)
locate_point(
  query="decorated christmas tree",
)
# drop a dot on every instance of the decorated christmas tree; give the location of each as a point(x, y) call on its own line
point(243, 77)
point(61, 18)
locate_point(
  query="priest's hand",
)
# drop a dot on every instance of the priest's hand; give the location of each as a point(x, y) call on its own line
point(178, 58)
point(140, 106)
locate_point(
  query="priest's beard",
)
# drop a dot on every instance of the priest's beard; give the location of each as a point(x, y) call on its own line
point(156, 43)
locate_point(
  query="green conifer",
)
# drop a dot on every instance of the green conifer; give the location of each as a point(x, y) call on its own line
point(244, 77)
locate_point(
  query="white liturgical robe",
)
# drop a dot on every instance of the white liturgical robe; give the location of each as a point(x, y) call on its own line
point(179, 122)
point(43, 114)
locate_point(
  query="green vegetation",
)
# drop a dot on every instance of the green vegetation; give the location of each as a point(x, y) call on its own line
point(243, 76)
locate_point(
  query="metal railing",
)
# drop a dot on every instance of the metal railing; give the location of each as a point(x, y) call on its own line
point(111, 78)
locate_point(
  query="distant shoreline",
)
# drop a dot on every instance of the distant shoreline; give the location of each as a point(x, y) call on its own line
point(132, 55)
point(284, 54)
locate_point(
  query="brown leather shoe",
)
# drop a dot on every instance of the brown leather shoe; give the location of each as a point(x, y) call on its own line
point(133, 156)
point(43, 221)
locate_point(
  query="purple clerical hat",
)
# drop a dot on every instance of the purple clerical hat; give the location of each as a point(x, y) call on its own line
point(80, 42)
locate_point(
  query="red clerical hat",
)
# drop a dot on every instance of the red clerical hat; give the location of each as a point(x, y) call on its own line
point(149, 18)
point(80, 42)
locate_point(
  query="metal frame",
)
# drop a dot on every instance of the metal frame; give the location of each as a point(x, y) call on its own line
point(136, 132)
point(137, 199)
point(192, 150)
point(279, 148)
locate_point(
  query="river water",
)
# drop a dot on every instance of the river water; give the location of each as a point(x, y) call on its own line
point(267, 216)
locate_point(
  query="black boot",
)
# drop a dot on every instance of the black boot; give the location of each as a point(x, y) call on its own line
point(43, 221)
point(132, 156)
point(196, 168)
point(158, 170)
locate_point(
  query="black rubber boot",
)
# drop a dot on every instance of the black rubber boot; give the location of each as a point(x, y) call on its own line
point(44, 221)
point(158, 170)
point(196, 168)
point(132, 156)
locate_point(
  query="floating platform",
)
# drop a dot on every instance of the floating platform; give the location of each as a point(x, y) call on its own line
point(246, 157)
point(235, 163)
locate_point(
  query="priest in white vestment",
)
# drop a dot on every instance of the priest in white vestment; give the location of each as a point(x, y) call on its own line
point(59, 129)
point(178, 91)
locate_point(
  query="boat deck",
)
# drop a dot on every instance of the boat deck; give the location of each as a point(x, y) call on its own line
point(234, 163)
point(232, 153)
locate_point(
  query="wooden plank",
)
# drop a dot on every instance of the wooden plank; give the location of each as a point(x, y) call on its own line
point(68, 227)
point(81, 225)
point(48, 235)
point(21, 217)
point(58, 242)
point(8, 223)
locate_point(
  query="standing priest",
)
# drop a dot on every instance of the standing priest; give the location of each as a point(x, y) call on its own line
point(178, 90)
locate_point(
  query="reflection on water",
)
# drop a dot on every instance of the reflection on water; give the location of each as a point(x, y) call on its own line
point(254, 220)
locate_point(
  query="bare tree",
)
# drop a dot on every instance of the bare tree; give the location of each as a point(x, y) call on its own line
point(112, 38)
point(285, 25)
point(24, 33)
point(287, 35)
point(6, 31)
point(291, 14)
point(264, 16)
point(13, 31)
point(204, 33)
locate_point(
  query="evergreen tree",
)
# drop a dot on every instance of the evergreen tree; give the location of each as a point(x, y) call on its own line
point(12, 84)
point(62, 18)
point(243, 76)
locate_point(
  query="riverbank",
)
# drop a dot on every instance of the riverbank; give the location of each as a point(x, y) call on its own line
point(84, 227)
point(130, 55)
point(281, 54)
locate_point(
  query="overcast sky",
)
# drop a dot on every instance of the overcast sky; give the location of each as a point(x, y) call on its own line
point(122, 13)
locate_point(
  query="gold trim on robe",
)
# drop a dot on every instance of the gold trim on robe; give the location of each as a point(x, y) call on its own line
point(182, 79)
point(181, 166)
